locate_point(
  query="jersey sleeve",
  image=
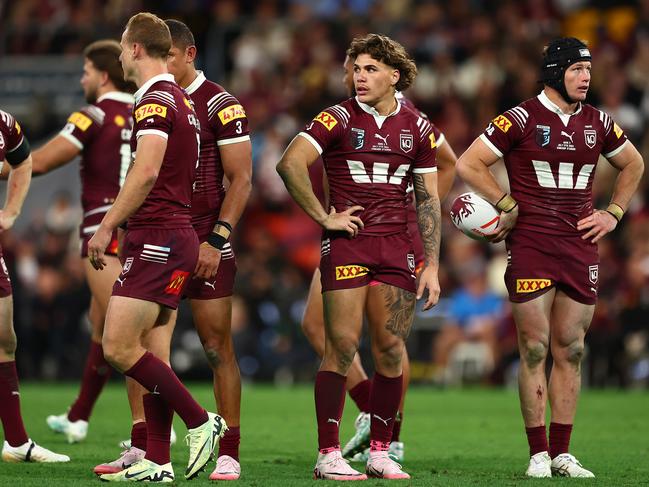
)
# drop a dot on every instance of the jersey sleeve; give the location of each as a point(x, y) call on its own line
point(82, 126)
point(506, 130)
point(326, 128)
point(614, 136)
point(154, 114)
point(228, 119)
point(440, 139)
point(15, 143)
point(425, 160)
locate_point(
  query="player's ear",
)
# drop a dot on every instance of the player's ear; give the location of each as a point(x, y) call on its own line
point(396, 75)
point(190, 54)
point(104, 78)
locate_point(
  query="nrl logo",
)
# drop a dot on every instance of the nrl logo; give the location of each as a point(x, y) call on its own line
point(591, 138)
point(406, 141)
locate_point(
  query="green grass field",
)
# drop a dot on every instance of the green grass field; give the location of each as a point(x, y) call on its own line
point(471, 437)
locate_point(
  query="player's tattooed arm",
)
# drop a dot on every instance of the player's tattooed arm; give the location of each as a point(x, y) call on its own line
point(429, 215)
point(401, 309)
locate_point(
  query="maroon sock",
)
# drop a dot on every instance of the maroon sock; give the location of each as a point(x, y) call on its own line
point(95, 376)
point(559, 438)
point(329, 403)
point(138, 435)
point(384, 404)
point(157, 377)
point(12, 421)
point(158, 428)
point(360, 394)
point(537, 439)
point(229, 444)
point(396, 427)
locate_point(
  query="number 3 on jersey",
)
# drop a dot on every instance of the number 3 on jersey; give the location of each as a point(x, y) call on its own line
point(546, 178)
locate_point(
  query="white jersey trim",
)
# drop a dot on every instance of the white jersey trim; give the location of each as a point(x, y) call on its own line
point(615, 152)
point(72, 139)
point(117, 96)
point(144, 88)
point(100, 209)
point(196, 84)
point(379, 119)
point(550, 105)
point(424, 170)
point(313, 141)
point(159, 133)
point(489, 144)
point(234, 140)
point(91, 229)
point(440, 141)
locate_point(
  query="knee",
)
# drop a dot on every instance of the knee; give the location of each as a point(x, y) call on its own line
point(218, 349)
point(343, 351)
point(390, 355)
point(534, 352)
point(116, 353)
point(310, 328)
point(8, 344)
point(571, 353)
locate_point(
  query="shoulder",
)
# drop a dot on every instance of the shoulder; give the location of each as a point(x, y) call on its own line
point(594, 114)
point(163, 92)
point(221, 103)
point(339, 114)
point(518, 115)
point(7, 121)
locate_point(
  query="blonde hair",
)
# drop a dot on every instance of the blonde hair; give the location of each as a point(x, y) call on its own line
point(151, 32)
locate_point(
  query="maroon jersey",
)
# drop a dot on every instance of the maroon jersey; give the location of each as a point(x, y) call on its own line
point(11, 135)
point(162, 109)
point(102, 132)
point(550, 159)
point(369, 160)
point(223, 121)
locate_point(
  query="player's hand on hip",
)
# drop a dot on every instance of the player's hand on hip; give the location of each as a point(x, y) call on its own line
point(97, 247)
point(428, 279)
point(344, 221)
point(598, 224)
point(208, 262)
point(505, 225)
point(6, 220)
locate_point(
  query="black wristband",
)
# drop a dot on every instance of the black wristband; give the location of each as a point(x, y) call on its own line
point(217, 241)
point(225, 224)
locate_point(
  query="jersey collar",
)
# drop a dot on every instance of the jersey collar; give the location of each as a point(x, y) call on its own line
point(145, 87)
point(117, 96)
point(379, 119)
point(553, 107)
point(194, 85)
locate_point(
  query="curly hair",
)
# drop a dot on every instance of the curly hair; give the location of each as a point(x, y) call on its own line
point(387, 51)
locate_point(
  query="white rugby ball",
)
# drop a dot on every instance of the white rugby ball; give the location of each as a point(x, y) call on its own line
point(474, 216)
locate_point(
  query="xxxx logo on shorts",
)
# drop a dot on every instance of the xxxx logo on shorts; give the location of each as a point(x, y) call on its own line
point(176, 282)
point(350, 271)
point(531, 285)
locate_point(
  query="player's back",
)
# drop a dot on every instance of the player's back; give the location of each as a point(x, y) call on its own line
point(550, 159)
point(163, 110)
point(223, 121)
point(102, 131)
point(369, 160)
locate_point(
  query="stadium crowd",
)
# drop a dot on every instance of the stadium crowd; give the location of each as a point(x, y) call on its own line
point(282, 60)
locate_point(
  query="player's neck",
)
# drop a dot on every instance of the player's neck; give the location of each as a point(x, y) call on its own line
point(188, 78)
point(555, 97)
point(148, 69)
point(386, 105)
point(102, 90)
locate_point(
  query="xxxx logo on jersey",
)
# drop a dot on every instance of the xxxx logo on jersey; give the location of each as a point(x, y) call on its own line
point(531, 285)
point(231, 113)
point(618, 131)
point(150, 109)
point(502, 122)
point(80, 120)
point(350, 271)
point(327, 120)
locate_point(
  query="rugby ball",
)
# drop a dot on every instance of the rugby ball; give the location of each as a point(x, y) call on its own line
point(474, 216)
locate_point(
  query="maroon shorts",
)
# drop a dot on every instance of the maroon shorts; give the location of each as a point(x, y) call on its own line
point(5, 282)
point(110, 250)
point(347, 263)
point(536, 262)
point(158, 264)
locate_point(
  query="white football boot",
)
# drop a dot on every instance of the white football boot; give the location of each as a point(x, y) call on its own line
point(332, 466)
point(201, 441)
point(74, 431)
point(539, 466)
point(381, 466)
point(31, 452)
point(361, 439)
point(565, 465)
point(129, 457)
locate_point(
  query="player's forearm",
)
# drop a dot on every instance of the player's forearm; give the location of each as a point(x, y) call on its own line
point(137, 186)
point(235, 199)
point(298, 184)
point(17, 187)
point(627, 182)
point(429, 219)
point(446, 161)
